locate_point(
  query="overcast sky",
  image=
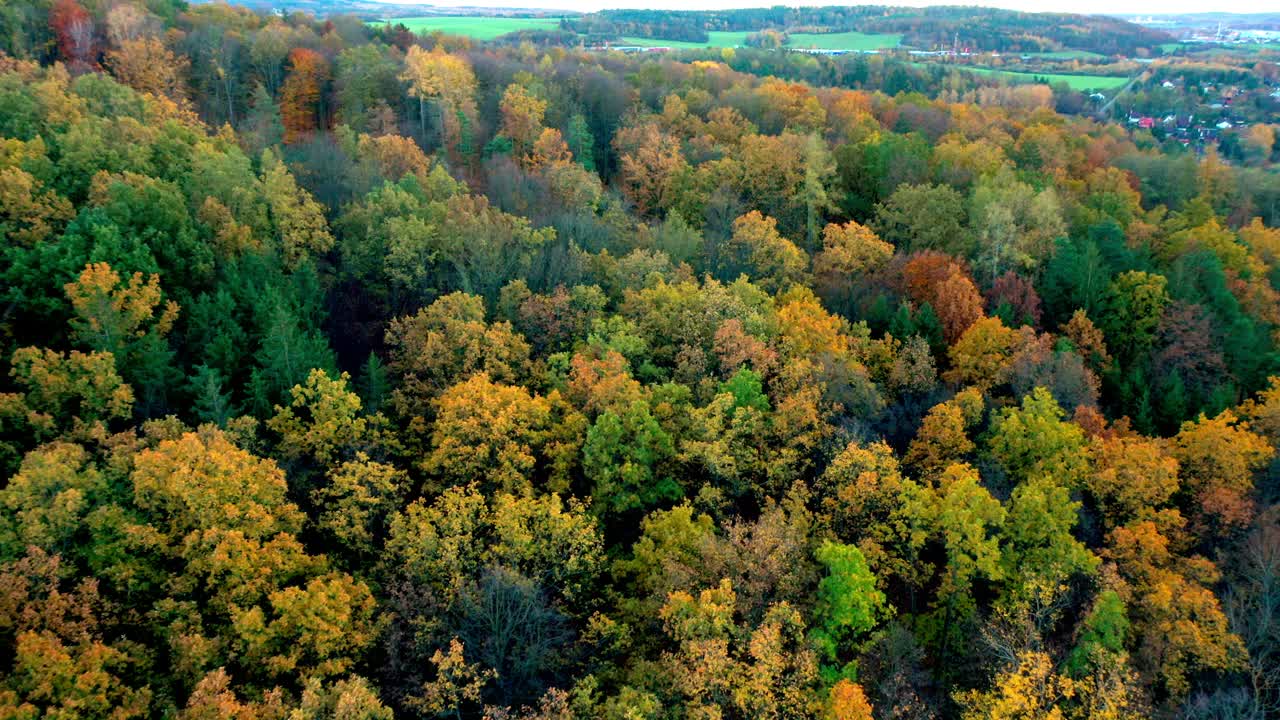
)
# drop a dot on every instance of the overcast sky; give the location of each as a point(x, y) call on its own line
point(1077, 6)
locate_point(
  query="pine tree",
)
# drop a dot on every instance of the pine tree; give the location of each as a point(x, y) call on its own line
point(373, 384)
point(211, 402)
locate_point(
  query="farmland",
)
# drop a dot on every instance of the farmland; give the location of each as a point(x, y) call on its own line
point(714, 39)
point(1075, 82)
point(475, 26)
point(845, 41)
point(488, 28)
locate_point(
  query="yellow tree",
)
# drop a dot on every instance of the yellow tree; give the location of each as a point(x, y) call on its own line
point(1030, 688)
point(456, 682)
point(299, 220)
point(1088, 340)
point(446, 79)
point(214, 698)
point(1177, 620)
point(548, 152)
point(1129, 476)
point(129, 321)
point(111, 317)
point(1263, 412)
point(146, 65)
point(522, 114)
point(203, 480)
point(865, 496)
point(649, 160)
point(48, 678)
point(28, 212)
point(756, 248)
point(718, 667)
point(447, 342)
point(325, 421)
point(46, 503)
point(943, 435)
point(849, 252)
point(1262, 240)
point(317, 629)
point(64, 390)
point(983, 354)
point(488, 431)
point(847, 701)
point(1217, 458)
point(356, 504)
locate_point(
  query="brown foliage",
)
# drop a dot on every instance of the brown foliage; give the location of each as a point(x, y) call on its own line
point(943, 282)
point(301, 96)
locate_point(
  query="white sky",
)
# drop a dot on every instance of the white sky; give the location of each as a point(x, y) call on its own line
point(1153, 7)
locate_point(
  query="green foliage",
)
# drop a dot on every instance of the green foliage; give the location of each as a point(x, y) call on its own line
point(1039, 550)
point(848, 604)
point(1034, 440)
point(1134, 305)
point(1104, 630)
point(923, 217)
point(210, 400)
point(625, 458)
point(581, 142)
point(747, 390)
point(288, 353)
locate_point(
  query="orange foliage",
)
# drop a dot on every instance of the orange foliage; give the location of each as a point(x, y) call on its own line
point(649, 160)
point(943, 282)
point(301, 94)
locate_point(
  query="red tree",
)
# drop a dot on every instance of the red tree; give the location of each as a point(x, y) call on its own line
point(1019, 294)
point(944, 282)
point(301, 109)
point(73, 26)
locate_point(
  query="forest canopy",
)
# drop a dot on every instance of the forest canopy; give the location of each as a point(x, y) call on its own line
point(348, 373)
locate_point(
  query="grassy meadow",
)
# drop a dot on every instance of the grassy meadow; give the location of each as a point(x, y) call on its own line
point(714, 39)
point(478, 27)
point(845, 41)
point(488, 28)
point(1075, 82)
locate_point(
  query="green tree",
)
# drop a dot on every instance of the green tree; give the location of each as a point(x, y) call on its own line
point(581, 142)
point(1039, 552)
point(848, 605)
point(923, 217)
point(1135, 302)
point(1034, 440)
point(626, 458)
point(1104, 630)
point(289, 351)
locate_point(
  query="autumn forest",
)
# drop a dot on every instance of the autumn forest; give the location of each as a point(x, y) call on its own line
point(350, 373)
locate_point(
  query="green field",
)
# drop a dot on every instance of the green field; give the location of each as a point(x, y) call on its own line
point(827, 41)
point(714, 39)
point(1075, 82)
point(844, 41)
point(478, 27)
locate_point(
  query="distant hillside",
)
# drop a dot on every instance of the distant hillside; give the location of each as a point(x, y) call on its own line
point(373, 9)
point(1207, 20)
point(926, 28)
